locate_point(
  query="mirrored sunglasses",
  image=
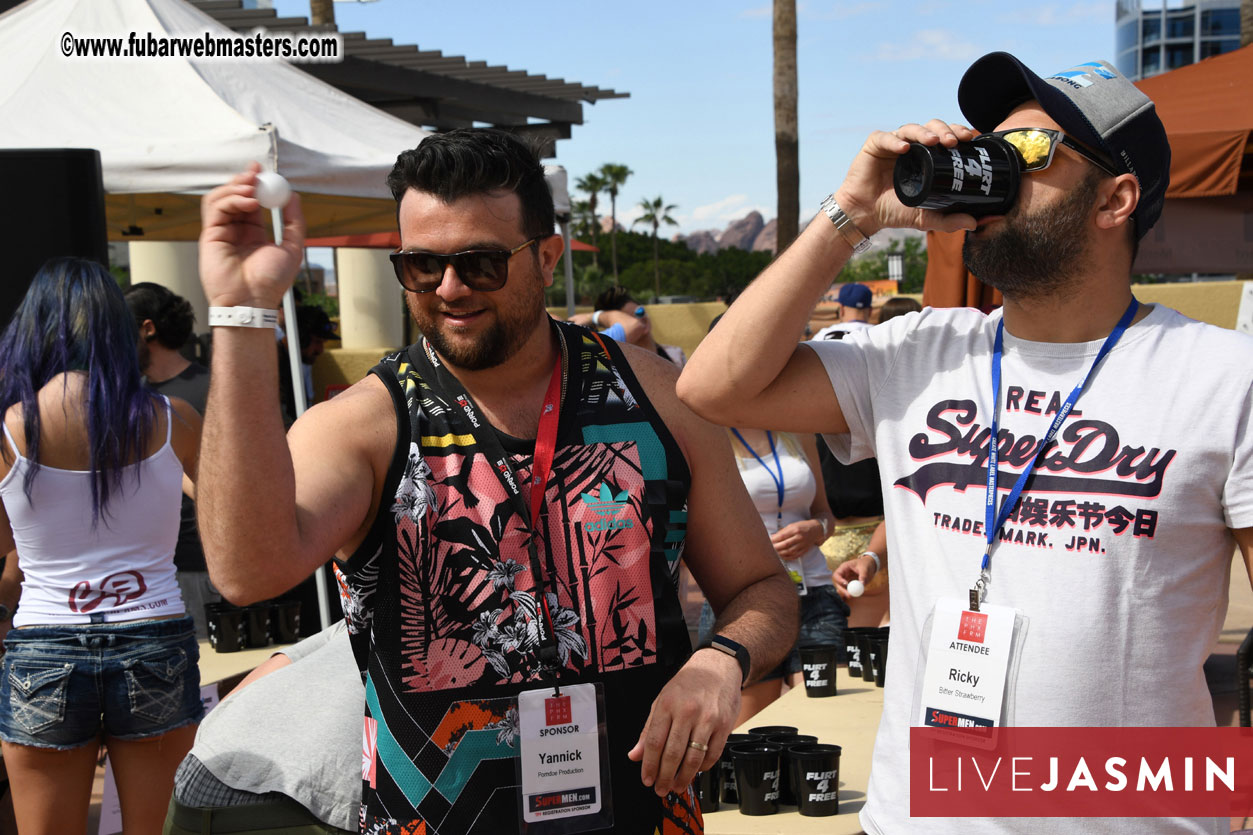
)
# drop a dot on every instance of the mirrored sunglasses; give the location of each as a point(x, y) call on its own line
point(482, 270)
point(1038, 145)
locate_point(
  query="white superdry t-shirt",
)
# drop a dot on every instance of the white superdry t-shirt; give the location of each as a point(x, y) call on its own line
point(1119, 552)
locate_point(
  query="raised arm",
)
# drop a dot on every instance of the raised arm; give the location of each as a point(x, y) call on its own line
point(730, 556)
point(270, 514)
point(750, 371)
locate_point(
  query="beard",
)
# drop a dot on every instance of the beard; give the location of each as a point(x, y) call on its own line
point(505, 337)
point(1035, 254)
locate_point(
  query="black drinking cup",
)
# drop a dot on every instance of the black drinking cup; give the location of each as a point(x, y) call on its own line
point(818, 665)
point(285, 621)
point(815, 772)
point(864, 642)
point(770, 730)
point(708, 785)
point(786, 796)
point(853, 650)
point(757, 777)
point(257, 625)
point(881, 660)
point(729, 796)
point(977, 178)
point(226, 627)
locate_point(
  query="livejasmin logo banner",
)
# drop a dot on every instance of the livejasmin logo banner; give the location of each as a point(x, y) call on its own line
point(1081, 772)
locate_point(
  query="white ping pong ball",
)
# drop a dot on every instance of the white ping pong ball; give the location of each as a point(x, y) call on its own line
point(856, 588)
point(272, 190)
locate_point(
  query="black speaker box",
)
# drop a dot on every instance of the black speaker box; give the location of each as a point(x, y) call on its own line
point(53, 205)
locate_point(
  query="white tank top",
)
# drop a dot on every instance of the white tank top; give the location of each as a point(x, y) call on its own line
point(123, 568)
point(799, 487)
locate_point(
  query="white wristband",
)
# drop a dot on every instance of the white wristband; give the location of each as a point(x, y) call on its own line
point(878, 566)
point(596, 318)
point(242, 317)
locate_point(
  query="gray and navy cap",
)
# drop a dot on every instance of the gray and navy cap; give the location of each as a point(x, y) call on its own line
point(1093, 103)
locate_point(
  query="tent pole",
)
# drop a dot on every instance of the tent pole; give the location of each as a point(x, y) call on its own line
point(565, 235)
point(292, 330)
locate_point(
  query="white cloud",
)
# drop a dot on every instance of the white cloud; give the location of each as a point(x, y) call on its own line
point(930, 44)
point(760, 11)
point(1058, 15)
point(841, 11)
point(720, 209)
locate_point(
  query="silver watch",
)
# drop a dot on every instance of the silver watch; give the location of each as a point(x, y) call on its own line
point(845, 226)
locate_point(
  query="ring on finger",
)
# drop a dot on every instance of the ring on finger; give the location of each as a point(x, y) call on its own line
point(699, 746)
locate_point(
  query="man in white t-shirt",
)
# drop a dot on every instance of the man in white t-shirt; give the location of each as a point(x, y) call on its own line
point(1118, 550)
point(853, 313)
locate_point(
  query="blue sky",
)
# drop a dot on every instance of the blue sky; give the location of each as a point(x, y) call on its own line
point(698, 128)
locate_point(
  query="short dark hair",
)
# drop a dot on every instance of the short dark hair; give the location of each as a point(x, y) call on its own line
point(169, 312)
point(897, 306)
point(614, 298)
point(470, 161)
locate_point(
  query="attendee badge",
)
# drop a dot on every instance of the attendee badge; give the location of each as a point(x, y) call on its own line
point(967, 665)
point(561, 759)
point(797, 574)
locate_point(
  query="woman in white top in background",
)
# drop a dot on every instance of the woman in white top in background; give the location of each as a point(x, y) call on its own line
point(784, 479)
point(91, 474)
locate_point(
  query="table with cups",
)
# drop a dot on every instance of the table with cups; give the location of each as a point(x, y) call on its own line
point(241, 638)
point(802, 764)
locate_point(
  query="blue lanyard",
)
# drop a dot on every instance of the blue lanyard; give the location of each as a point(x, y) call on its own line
point(778, 481)
point(993, 521)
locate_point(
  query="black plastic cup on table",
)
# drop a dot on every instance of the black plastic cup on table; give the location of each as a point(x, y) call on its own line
point(285, 621)
point(257, 625)
point(864, 643)
point(764, 731)
point(786, 795)
point(852, 651)
point(818, 665)
point(881, 660)
point(815, 773)
point(225, 626)
point(728, 795)
point(708, 786)
point(757, 776)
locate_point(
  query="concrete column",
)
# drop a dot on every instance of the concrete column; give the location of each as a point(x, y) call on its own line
point(371, 302)
point(174, 265)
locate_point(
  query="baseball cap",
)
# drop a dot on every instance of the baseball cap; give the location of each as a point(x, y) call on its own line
point(314, 321)
point(855, 295)
point(1091, 102)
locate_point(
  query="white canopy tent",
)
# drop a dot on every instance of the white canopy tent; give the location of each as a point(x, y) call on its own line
point(170, 129)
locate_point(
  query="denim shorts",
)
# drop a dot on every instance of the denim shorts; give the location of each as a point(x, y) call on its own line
point(61, 686)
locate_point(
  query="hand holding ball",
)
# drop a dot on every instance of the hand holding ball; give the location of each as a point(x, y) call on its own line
point(272, 190)
point(856, 588)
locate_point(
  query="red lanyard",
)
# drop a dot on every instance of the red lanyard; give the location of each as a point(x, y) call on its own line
point(545, 444)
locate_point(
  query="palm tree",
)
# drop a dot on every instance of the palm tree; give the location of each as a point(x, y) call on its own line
point(593, 184)
point(615, 175)
point(786, 137)
point(656, 212)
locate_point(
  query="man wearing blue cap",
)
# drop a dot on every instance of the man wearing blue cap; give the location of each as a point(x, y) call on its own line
point(1098, 578)
point(853, 313)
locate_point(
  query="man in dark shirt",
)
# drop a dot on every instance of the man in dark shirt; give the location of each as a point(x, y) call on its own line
point(165, 323)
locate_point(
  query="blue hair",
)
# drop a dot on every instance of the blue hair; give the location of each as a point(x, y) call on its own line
point(74, 318)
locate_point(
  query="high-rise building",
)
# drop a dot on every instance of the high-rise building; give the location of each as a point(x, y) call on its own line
point(1161, 35)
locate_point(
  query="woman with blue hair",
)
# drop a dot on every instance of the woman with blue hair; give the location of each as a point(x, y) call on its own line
point(91, 467)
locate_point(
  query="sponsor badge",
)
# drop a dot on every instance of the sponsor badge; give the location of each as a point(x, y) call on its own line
point(560, 760)
point(967, 662)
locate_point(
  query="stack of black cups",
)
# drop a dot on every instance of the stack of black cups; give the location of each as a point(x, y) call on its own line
point(769, 765)
point(868, 653)
point(232, 628)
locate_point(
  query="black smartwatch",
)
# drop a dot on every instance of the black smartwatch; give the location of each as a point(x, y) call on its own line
point(736, 650)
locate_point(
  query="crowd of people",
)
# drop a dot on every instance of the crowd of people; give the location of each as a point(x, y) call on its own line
point(508, 502)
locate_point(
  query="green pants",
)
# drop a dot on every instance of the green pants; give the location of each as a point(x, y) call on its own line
point(272, 817)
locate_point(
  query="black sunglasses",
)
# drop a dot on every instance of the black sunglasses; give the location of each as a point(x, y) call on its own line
point(482, 270)
point(1038, 145)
